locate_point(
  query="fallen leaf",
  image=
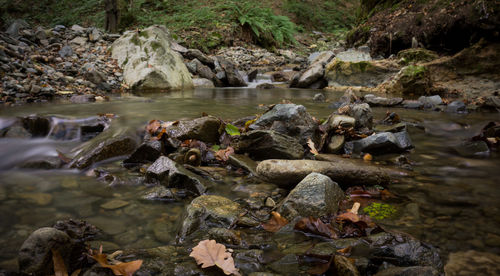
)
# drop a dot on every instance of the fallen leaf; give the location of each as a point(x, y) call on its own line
point(59, 267)
point(367, 157)
point(345, 251)
point(209, 253)
point(223, 154)
point(348, 216)
point(312, 147)
point(317, 227)
point(275, 223)
point(232, 130)
point(119, 268)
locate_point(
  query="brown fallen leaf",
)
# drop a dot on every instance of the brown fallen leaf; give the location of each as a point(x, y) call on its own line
point(59, 267)
point(223, 154)
point(312, 147)
point(209, 253)
point(275, 223)
point(317, 227)
point(119, 268)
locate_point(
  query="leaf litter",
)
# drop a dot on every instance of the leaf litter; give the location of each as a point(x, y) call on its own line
point(210, 253)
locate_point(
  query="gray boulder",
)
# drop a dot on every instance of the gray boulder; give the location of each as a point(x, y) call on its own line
point(373, 100)
point(148, 61)
point(197, 54)
point(316, 195)
point(209, 211)
point(35, 256)
point(287, 173)
point(167, 172)
point(266, 144)
point(232, 75)
point(205, 129)
point(381, 143)
point(203, 83)
point(290, 119)
point(315, 71)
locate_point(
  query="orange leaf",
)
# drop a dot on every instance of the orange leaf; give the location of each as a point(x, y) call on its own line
point(348, 216)
point(223, 154)
point(275, 223)
point(59, 267)
point(125, 269)
point(209, 253)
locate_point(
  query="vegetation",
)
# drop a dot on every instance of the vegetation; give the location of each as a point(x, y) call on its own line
point(204, 25)
point(379, 211)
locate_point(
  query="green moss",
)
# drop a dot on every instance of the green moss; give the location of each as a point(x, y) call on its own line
point(414, 71)
point(380, 211)
point(135, 39)
point(415, 55)
point(144, 34)
point(155, 45)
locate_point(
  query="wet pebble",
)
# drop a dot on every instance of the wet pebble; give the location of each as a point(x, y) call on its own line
point(114, 204)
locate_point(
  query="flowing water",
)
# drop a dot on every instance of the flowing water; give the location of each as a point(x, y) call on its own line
point(451, 201)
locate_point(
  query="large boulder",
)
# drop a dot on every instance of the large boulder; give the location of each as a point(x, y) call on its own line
point(316, 195)
point(208, 211)
point(287, 173)
point(148, 61)
point(361, 73)
point(167, 172)
point(35, 256)
point(314, 72)
point(290, 119)
point(412, 79)
point(266, 144)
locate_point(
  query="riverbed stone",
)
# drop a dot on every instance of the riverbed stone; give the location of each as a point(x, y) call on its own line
point(409, 271)
point(343, 121)
point(336, 144)
point(104, 148)
point(287, 173)
point(35, 256)
point(233, 77)
point(205, 129)
point(148, 151)
point(41, 199)
point(290, 119)
point(316, 195)
point(472, 263)
point(359, 73)
point(344, 266)
point(172, 175)
point(243, 161)
point(266, 144)
point(114, 204)
point(381, 143)
point(373, 100)
point(148, 62)
point(363, 115)
point(208, 211)
point(456, 107)
point(203, 83)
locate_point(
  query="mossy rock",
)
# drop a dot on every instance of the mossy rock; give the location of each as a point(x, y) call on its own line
point(362, 73)
point(416, 55)
point(412, 79)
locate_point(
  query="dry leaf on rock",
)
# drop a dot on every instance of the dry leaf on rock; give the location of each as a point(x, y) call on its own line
point(209, 253)
point(312, 147)
point(275, 223)
point(317, 227)
point(59, 267)
point(119, 268)
point(223, 154)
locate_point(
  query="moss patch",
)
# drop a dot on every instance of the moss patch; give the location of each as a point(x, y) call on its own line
point(415, 55)
point(380, 211)
point(414, 71)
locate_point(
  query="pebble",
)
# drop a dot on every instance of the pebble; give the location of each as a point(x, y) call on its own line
point(114, 204)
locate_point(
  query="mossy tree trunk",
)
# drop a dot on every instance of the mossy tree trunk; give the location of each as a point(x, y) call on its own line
point(112, 16)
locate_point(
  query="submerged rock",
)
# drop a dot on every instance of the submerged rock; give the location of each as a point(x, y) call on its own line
point(148, 61)
point(266, 144)
point(167, 172)
point(35, 256)
point(288, 173)
point(209, 211)
point(290, 119)
point(316, 195)
point(472, 263)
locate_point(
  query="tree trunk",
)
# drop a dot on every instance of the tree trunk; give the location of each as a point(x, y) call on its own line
point(112, 16)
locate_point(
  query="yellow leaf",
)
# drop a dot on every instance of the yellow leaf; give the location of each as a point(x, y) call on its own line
point(59, 267)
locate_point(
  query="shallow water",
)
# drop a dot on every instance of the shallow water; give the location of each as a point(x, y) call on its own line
point(451, 202)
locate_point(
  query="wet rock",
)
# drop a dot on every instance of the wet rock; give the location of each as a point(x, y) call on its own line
point(78, 230)
point(233, 76)
point(412, 79)
point(390, 128)
point(266, 144)
point(148, 61)
point(344, 266)
point(226, 236)
point(203, 83)
point(252, 75)
point(363, 115)
point(104, 148)
point(316, 195)
point(381, 143)
point(336, 144)
point(208, 211)
point(243, 161)
point(319, 97)
point(147, 152)
point(205, 129)
point(46, 163)
point(161, 193)
point(290, 119)
point(16, 131)
point(35, 256)
point(265, 86)
point(288, 265)
point(473, 149)
point(411, 104)
point(315, 71)
point(335, 121)
point(373, 100)
point(409, 271)
point(249, 261)
point(167, 172)
point(288, 173)
point(456, 107)
point(37, 126)
point(114, 204)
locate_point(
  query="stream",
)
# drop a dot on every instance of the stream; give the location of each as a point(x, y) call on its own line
point(450, 202)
